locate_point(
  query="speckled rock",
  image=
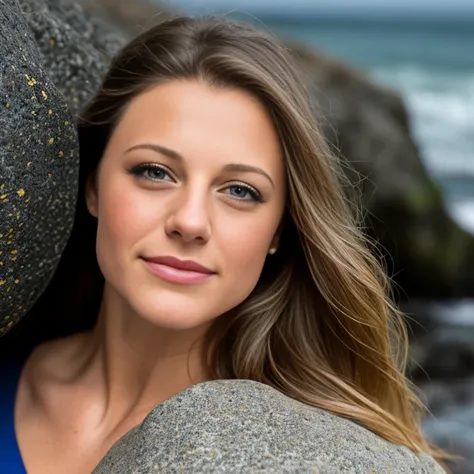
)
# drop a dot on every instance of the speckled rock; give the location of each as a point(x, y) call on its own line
point(247, 427)
point(38, 168)
point(53, 55)
point(76, 46)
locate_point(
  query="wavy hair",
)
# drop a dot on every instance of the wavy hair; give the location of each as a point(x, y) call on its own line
point(320, 325)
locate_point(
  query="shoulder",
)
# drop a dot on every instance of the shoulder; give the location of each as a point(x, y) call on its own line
point(50, 364)
point(245, 426)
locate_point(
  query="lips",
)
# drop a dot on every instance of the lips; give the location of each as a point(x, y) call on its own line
point(178, 271)
point(185, 265)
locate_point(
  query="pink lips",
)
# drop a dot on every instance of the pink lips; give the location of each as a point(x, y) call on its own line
point(178, 271)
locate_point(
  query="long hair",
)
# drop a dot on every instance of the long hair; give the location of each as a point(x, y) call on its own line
point(320, 325)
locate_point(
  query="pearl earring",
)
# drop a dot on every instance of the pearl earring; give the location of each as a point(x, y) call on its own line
point(272, 251)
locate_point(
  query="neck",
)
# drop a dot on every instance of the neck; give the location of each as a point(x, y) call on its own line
point(138, 365)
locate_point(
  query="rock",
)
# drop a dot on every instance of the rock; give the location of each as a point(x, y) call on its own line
point(244, 426)
point(38, 168)
point(128, 17)
point(76, 46)
point(428, 253)
point(53, 55)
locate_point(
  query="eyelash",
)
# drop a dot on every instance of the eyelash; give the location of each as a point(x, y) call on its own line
point(255, 195)
point(141, 170)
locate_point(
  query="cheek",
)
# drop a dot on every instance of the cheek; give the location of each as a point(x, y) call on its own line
point(246, 247)
point(123, 219)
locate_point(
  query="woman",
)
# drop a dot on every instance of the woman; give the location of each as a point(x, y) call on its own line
point(212, 240)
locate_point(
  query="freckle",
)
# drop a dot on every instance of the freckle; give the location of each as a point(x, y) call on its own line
point(66, 123)
point(43, 93)
point(60, 154)
point(8, 106)
point(2, 282)
point(52, 43)
point(14, 252)
point(21, 192)
point(3, 196)
point(13, 259)
point(50, 112)
point(51, 141)
point(28, 164)
point(10, 230)
point(1, 264)
point(49, 175)
point(9, 242)
point(17, 281)
point(33, 113)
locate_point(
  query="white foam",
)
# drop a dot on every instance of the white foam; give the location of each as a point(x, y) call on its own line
point(463, 214)
point(456, 313)
point(441, 104)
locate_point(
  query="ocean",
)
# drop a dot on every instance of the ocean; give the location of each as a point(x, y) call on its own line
point(431, 63)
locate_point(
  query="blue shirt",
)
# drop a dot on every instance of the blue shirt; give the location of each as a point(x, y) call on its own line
point(10, 457)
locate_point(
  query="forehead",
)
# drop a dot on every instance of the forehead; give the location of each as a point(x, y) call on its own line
point(201, 121)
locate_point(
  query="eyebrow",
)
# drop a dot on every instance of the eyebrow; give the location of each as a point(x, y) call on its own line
point(231, 167)
point(158, 149)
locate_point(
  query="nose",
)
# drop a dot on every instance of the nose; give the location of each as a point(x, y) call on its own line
point(188, 217)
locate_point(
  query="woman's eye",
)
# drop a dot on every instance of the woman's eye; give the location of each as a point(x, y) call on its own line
point(152, 172)
point(244, 193)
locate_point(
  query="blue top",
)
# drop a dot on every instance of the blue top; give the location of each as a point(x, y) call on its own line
point(10, 457)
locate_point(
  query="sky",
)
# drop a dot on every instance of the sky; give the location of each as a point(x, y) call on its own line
point(430, 7)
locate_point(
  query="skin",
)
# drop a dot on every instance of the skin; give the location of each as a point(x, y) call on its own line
point(77, 396)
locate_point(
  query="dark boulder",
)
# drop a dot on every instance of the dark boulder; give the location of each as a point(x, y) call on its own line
point(38, 168)
point(368, 125)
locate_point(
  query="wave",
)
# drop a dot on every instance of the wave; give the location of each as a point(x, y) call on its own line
point(441, 105)
point(463, 213)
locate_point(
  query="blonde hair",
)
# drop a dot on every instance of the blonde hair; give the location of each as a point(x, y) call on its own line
point(320, 325)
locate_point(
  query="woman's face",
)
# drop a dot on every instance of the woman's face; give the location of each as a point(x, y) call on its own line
point(190, 194)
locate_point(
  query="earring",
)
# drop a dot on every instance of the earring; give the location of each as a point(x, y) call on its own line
point(272, 251)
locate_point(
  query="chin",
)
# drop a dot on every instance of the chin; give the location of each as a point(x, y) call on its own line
point(179, 312)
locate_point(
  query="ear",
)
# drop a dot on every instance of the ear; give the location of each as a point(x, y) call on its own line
point(91, 195)
point(275, 243)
